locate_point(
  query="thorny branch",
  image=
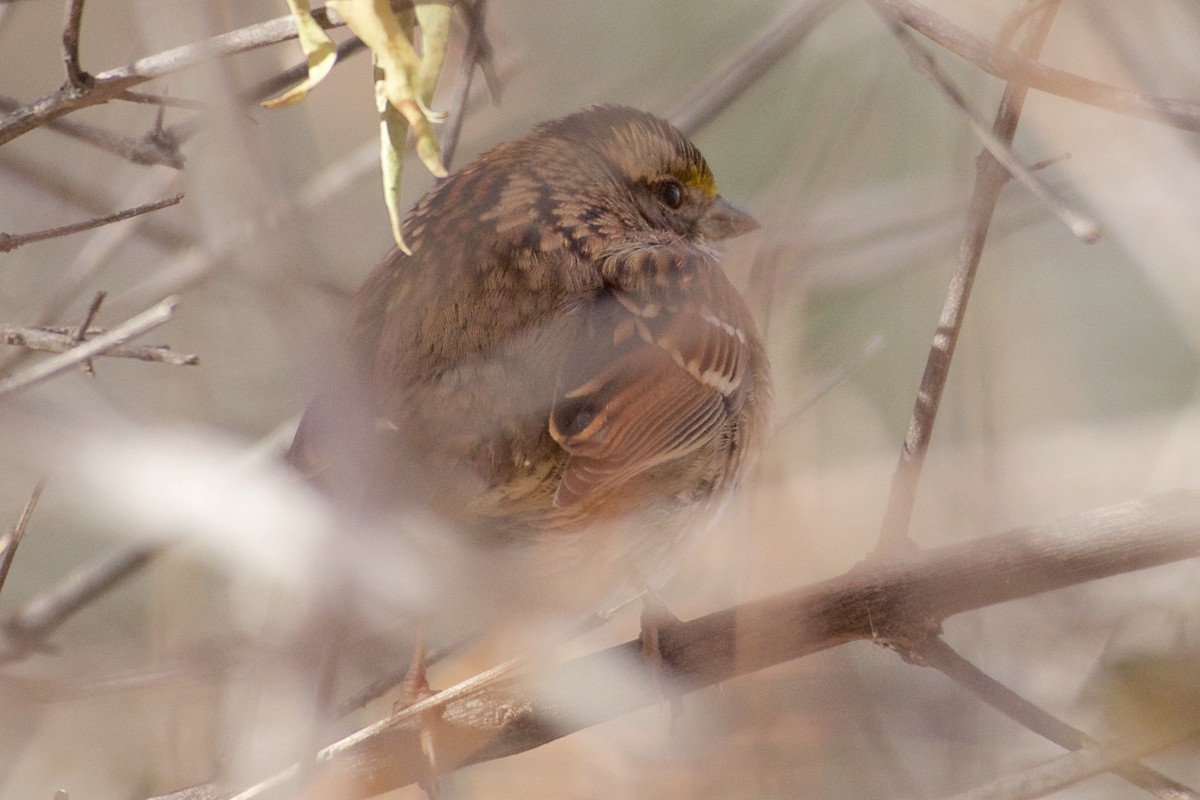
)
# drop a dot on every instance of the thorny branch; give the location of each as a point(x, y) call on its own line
point(899, 602)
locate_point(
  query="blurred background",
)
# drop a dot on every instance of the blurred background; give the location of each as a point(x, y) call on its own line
point(1074, 386)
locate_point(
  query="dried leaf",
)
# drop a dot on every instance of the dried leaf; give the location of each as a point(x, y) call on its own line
point(319, 50)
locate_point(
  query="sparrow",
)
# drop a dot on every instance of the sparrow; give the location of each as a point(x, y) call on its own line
point(559, 369)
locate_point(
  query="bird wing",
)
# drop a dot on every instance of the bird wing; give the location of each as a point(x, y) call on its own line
point(656, 373)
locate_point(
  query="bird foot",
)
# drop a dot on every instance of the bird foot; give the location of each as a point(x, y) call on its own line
point(656, 618)
point(415, 688)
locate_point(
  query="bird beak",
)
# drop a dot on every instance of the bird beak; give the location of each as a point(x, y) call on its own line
point(725, 220)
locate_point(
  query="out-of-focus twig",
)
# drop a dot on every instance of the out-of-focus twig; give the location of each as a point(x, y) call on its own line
point(60, 363)
point(11, 241)
point(11, 540)
point(938, 654)
point(777, 39)
point(473, 51)
point(1082, 226)
point(990, 178)
point(1183, 114)
point(26, 630)
point(1048, 778)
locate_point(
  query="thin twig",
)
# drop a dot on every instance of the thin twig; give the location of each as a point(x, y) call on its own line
point(938, 654)
point(70, 38)
point(1083, 227)
point(80, 332)
point(778, 38)
point(832, 381)
point(1183, 114)
point(475, 13)
point(70, 188)
point(166, 101)
point(59, 340)
point(11, 241)
point(11, 540)
point(26, 630)
point(58, 364)
point(895, 600)
point(1052, 776)
point(990, 178)
point(111, 83)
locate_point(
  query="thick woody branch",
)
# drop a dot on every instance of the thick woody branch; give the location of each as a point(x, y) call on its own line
point(899, 603)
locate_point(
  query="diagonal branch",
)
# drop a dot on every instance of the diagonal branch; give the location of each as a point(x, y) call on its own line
point(942, 657)
point(1182, 114)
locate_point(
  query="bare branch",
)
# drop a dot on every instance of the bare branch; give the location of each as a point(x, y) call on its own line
point(1183, 114)
point(26, 630)
point(58, 364)
point(898, 602)
point(472, 52)
point(1045, 779)
point(778, 38)
point(80, 332)
point(71, 189)
point(990, 177)
point(1083, 227)
point(10, 241)
point(11, 540)
point(942, 657)
point(60, 340)
point(148, 150)
point(111, 83)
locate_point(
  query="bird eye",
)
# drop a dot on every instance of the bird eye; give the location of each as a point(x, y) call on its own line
point(670, 192)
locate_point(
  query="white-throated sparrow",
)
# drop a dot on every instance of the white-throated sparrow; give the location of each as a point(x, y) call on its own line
point(560, 367)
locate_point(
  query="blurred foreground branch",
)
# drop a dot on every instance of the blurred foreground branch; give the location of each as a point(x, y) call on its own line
point(1010, 66)
point(898, 604)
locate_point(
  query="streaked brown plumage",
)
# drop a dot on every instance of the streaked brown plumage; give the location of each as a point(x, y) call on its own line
point(561, 366)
